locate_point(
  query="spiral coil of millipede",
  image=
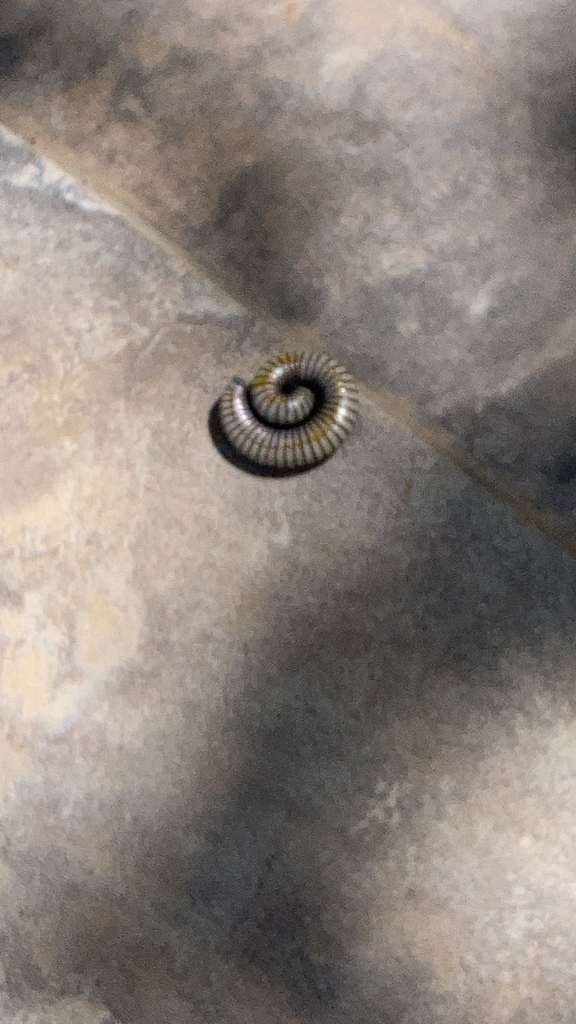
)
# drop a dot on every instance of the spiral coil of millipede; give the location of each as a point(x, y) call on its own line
point(293, 415)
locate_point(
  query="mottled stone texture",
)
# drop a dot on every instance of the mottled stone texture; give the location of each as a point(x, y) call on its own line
point(402, 175)
point(304, 749)
point(271, 750)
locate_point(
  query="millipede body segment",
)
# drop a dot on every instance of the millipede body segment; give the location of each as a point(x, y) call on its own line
point(294, 414)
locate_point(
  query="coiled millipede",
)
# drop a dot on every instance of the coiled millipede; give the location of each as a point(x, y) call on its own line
point(294, 414)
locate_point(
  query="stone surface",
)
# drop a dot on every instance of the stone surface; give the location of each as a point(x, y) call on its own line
point(400, 175)
point(75, 1010)
point(272, 750)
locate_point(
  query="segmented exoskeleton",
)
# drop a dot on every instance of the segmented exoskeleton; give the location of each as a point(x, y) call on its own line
point(294, 414)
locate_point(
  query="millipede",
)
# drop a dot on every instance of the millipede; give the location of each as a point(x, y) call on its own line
point(294, 414)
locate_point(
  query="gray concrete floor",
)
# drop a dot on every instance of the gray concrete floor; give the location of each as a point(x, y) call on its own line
point(301, 749)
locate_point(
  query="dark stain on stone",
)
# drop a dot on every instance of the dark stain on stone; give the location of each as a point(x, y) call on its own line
point(248, 208)
point(274, 934)
point(130, 98)
point(552, 105)
point(563, 470)
point(95, 56)
point(20, 34)
point(53, 44)
point(247, 202)
point(12, 53)
point(259, 225)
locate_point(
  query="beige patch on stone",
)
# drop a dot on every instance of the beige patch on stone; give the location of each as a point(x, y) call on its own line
point(69, 553)
point(366, 26)
point(30, 666)
point(434, 939)
point(58, 413)
point(73, 1010)
point(370, 21)
point(27, 678)
point(107, 633)
point(293, 12)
